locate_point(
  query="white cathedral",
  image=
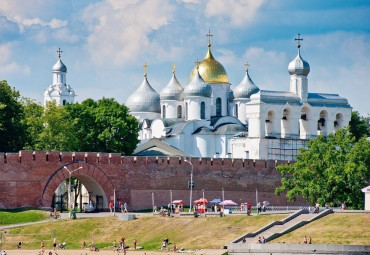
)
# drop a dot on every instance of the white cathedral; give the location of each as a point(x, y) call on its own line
point(208, 119)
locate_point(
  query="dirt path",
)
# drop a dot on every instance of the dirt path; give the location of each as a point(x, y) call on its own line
point(105, 252)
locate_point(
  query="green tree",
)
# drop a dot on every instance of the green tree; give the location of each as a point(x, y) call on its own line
point(57, 134)
point(13, 131)
point(104, 125)
point(332, 169)
point(33, 119)
point(359, 126)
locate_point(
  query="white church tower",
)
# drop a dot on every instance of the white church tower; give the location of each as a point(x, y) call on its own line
point(59, 91)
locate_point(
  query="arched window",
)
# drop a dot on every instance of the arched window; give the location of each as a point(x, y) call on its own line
point(202, 110)
point(186, 110)
point(163, 111)
point(64, 102)
point(179, 112)
point(218, 107)
point(236, 110)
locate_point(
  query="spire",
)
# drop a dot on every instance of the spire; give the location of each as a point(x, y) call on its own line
point(298, 66)
point(145, 69)
point(298, 44)
point(209, 35)
point(59, 51)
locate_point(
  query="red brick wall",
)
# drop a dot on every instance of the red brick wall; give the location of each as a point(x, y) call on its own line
point(26, 178)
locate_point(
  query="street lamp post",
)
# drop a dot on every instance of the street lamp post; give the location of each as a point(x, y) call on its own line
point(191, 181)
point(69, 189)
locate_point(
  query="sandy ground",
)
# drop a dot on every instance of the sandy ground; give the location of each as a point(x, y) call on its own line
point(106, 252)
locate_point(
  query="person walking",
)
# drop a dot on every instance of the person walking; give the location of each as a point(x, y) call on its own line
point(134, 244)
point(55, 243)
point(111, 207)
point(125, 207)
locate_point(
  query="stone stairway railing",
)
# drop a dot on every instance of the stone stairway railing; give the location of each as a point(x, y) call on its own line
point(288, 224)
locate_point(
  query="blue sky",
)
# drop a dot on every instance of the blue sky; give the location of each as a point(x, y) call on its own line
point(106, 42)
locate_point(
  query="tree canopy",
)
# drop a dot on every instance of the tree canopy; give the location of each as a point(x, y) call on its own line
point(100, 126)
point(359, 126)
point(13, 131)
point(331, 170)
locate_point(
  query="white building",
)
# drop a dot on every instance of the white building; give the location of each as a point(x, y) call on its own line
point(208, 119)
point(59, 91)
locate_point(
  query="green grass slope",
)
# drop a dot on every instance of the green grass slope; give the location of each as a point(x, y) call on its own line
point(8, 217)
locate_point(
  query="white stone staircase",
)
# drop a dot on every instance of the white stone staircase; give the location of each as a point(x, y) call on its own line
point(279, 228)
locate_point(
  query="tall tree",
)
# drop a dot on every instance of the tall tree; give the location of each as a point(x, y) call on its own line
point(13, 131)
point(359, 126)
point(33, 119)
point(57, 132)
point(104, 125)
point(332, 169)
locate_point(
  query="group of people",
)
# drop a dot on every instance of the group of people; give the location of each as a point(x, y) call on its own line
point(261, 208)
point(307, 241)
point(165, 244)
point(122, 207)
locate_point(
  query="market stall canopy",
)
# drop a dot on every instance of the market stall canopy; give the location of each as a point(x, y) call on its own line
point(227, 203)
point(215, 201)
point(178, 202)
point(201, 201)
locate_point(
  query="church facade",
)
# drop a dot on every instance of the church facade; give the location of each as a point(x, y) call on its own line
point(206, 118)
point(59, 91)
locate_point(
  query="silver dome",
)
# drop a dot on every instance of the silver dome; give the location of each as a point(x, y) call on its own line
point(59, 66)
point(246, 88)
point(198, 87)
point(299, 66)
point(172, 91)
point(144, 99)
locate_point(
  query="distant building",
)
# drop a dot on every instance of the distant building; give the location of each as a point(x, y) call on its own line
point(208, 119)
point(59, 91)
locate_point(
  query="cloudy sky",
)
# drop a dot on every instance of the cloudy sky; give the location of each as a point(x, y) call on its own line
point(106, 42)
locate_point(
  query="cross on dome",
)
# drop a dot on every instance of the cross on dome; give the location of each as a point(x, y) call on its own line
point(59, 51)
point(209, 35)
point(173, 68)
point(246, 66)
point(298, 39)
point(145, 69)
point(197, 62)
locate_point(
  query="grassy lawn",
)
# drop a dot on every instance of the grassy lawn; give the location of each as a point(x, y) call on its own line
point(16, 216)
point(335, 228)
point(187, 232)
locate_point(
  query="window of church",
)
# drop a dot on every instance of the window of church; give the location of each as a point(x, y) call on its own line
point(236, 111)
point(186, 110)
point(202, 110)
point(218, 107)
point(179, 112)
point(163, 111)
point(64, 102)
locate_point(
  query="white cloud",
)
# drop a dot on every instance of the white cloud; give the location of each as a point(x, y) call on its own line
point(120, 29)
point(239, 12)
point(26, 13)
point(7, 66)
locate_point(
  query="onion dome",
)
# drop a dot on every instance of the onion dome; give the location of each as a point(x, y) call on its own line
point(173, 90)
point(198, 87)
point(210, 69)
point(59, 66)
point(298, 65)
point(144, 99)
point(246, 87)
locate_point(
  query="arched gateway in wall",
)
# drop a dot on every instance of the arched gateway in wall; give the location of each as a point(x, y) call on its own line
point(91, 176)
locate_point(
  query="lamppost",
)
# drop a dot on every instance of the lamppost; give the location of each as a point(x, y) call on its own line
point(69, 189)
point(191, 181)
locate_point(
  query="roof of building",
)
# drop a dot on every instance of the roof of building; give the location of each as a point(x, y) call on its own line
point(197, 87)
point(173, 90)
point(155, 147)
point(246, 87)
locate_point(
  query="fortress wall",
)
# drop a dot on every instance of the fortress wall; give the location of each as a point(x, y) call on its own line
point(25, 175)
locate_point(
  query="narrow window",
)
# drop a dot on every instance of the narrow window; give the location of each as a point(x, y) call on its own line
point(236, 111)
point(218, 107)
point(186, 110)
point(202, 110)
point(179, 112)
point(64, 102)
point(163, 111)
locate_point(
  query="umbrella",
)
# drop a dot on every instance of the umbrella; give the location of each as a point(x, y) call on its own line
point(201, 201)
point(266, 202)
point(215, 201)
point(178, 202)
point(227, 203)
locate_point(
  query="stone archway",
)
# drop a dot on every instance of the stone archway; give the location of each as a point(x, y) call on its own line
point(91, 176)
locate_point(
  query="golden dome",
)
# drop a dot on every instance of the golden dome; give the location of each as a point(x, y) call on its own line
point(210, 69)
